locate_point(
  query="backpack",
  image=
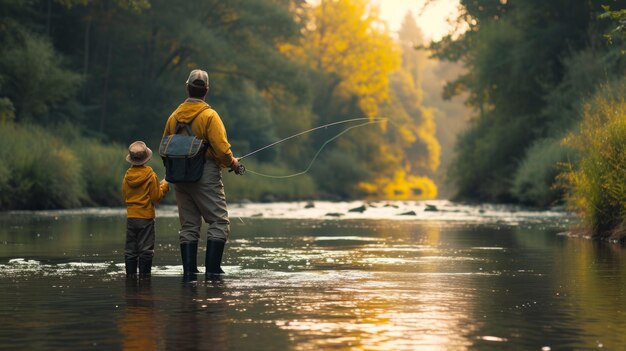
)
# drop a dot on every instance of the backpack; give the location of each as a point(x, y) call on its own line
point(183, 156)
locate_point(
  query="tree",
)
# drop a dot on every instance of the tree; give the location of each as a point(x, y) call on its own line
point(35, 83)
point(514, 54)
point(348, 42)
point(135, 56)
point(411, 135)
point(352, 55)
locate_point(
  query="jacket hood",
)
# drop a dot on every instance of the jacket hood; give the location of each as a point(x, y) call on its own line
point(136, 176)
point(188, 111)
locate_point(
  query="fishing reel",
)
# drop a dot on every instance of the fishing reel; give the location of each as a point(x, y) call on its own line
point(240, 170)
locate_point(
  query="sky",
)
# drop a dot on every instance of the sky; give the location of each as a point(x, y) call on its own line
point(433, 20)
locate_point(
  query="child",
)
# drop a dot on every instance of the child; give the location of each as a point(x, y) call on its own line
point(142, 191)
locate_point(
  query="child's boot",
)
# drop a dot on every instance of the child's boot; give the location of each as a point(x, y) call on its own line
point(145, 267)
point(131, 267)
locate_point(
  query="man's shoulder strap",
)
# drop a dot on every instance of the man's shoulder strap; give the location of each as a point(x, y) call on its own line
point(187, 126)
point(179, 126)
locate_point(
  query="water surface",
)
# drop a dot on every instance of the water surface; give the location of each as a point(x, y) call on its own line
point(297, 279)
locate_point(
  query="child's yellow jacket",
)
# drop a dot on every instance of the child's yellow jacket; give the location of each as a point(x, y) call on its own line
point(142, 191)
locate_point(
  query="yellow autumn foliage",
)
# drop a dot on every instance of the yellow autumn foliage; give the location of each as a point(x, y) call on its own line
point(349, 42)
point(401, 187)
point(348, 39)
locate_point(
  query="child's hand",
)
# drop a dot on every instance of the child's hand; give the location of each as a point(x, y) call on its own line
point(165, 186)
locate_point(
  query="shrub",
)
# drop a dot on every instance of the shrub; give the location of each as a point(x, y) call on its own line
point(103, 168)
point(597, 184)
point(38, 171)
point(55, 169)
point(534, 182)
point(254, 187)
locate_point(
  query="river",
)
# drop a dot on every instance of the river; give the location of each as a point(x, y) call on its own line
point(394, 276)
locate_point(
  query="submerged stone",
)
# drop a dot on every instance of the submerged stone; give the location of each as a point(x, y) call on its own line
point(309, 204)
point(410, 213)
point(359, 209)
point(431, 208)
point(334, 214)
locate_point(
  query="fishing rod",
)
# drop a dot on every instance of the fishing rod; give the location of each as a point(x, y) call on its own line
point(242, 169)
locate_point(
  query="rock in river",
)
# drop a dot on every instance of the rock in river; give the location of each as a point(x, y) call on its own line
point(359, 209)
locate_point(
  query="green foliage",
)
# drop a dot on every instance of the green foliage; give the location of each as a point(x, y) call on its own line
point(597, 184)
point(44, 169)
point(341, 172)
point(100, 74)
point(135, 5)
point(136, 64)
point(103, 168)
point(619, 17)
point(528, 65)
point(35, 79)
point(534, 182)
point(256, 188)
point(7, 111)
point(38, 171)
point(483, 167)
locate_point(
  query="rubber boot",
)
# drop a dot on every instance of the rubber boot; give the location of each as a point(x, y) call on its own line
point(131, 267)
point(145, 267)
point(189, 255)
point(214, 252)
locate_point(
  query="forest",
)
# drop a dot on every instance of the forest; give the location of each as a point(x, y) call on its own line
point(86, 78)
point(522, 103)
point(546, 81)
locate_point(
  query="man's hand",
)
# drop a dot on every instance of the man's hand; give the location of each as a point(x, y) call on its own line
point(235, 164)
point(237, 167)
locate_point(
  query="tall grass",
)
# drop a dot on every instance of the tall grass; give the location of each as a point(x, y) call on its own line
point(37, 170)
point(597, 184)
point(103, 168)
point(56, 168)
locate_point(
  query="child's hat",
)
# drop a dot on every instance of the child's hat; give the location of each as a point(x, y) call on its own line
point(138, 153)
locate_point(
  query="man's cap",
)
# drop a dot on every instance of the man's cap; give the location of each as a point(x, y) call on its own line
point(138, 153)
point(198, 79)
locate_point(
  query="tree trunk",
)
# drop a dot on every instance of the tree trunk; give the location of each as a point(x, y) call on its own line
point(107, 74)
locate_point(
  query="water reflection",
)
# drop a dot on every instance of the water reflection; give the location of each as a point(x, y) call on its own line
point(142, 326)
point(199, 321)
point(419, 308)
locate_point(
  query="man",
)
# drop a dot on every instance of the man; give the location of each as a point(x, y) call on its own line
point(204, 198)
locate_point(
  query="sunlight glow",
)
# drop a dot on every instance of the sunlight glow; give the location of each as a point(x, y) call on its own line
point(434, 19)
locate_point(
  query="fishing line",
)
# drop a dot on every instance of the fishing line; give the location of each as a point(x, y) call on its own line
point(369, 121)
point(311, 130)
